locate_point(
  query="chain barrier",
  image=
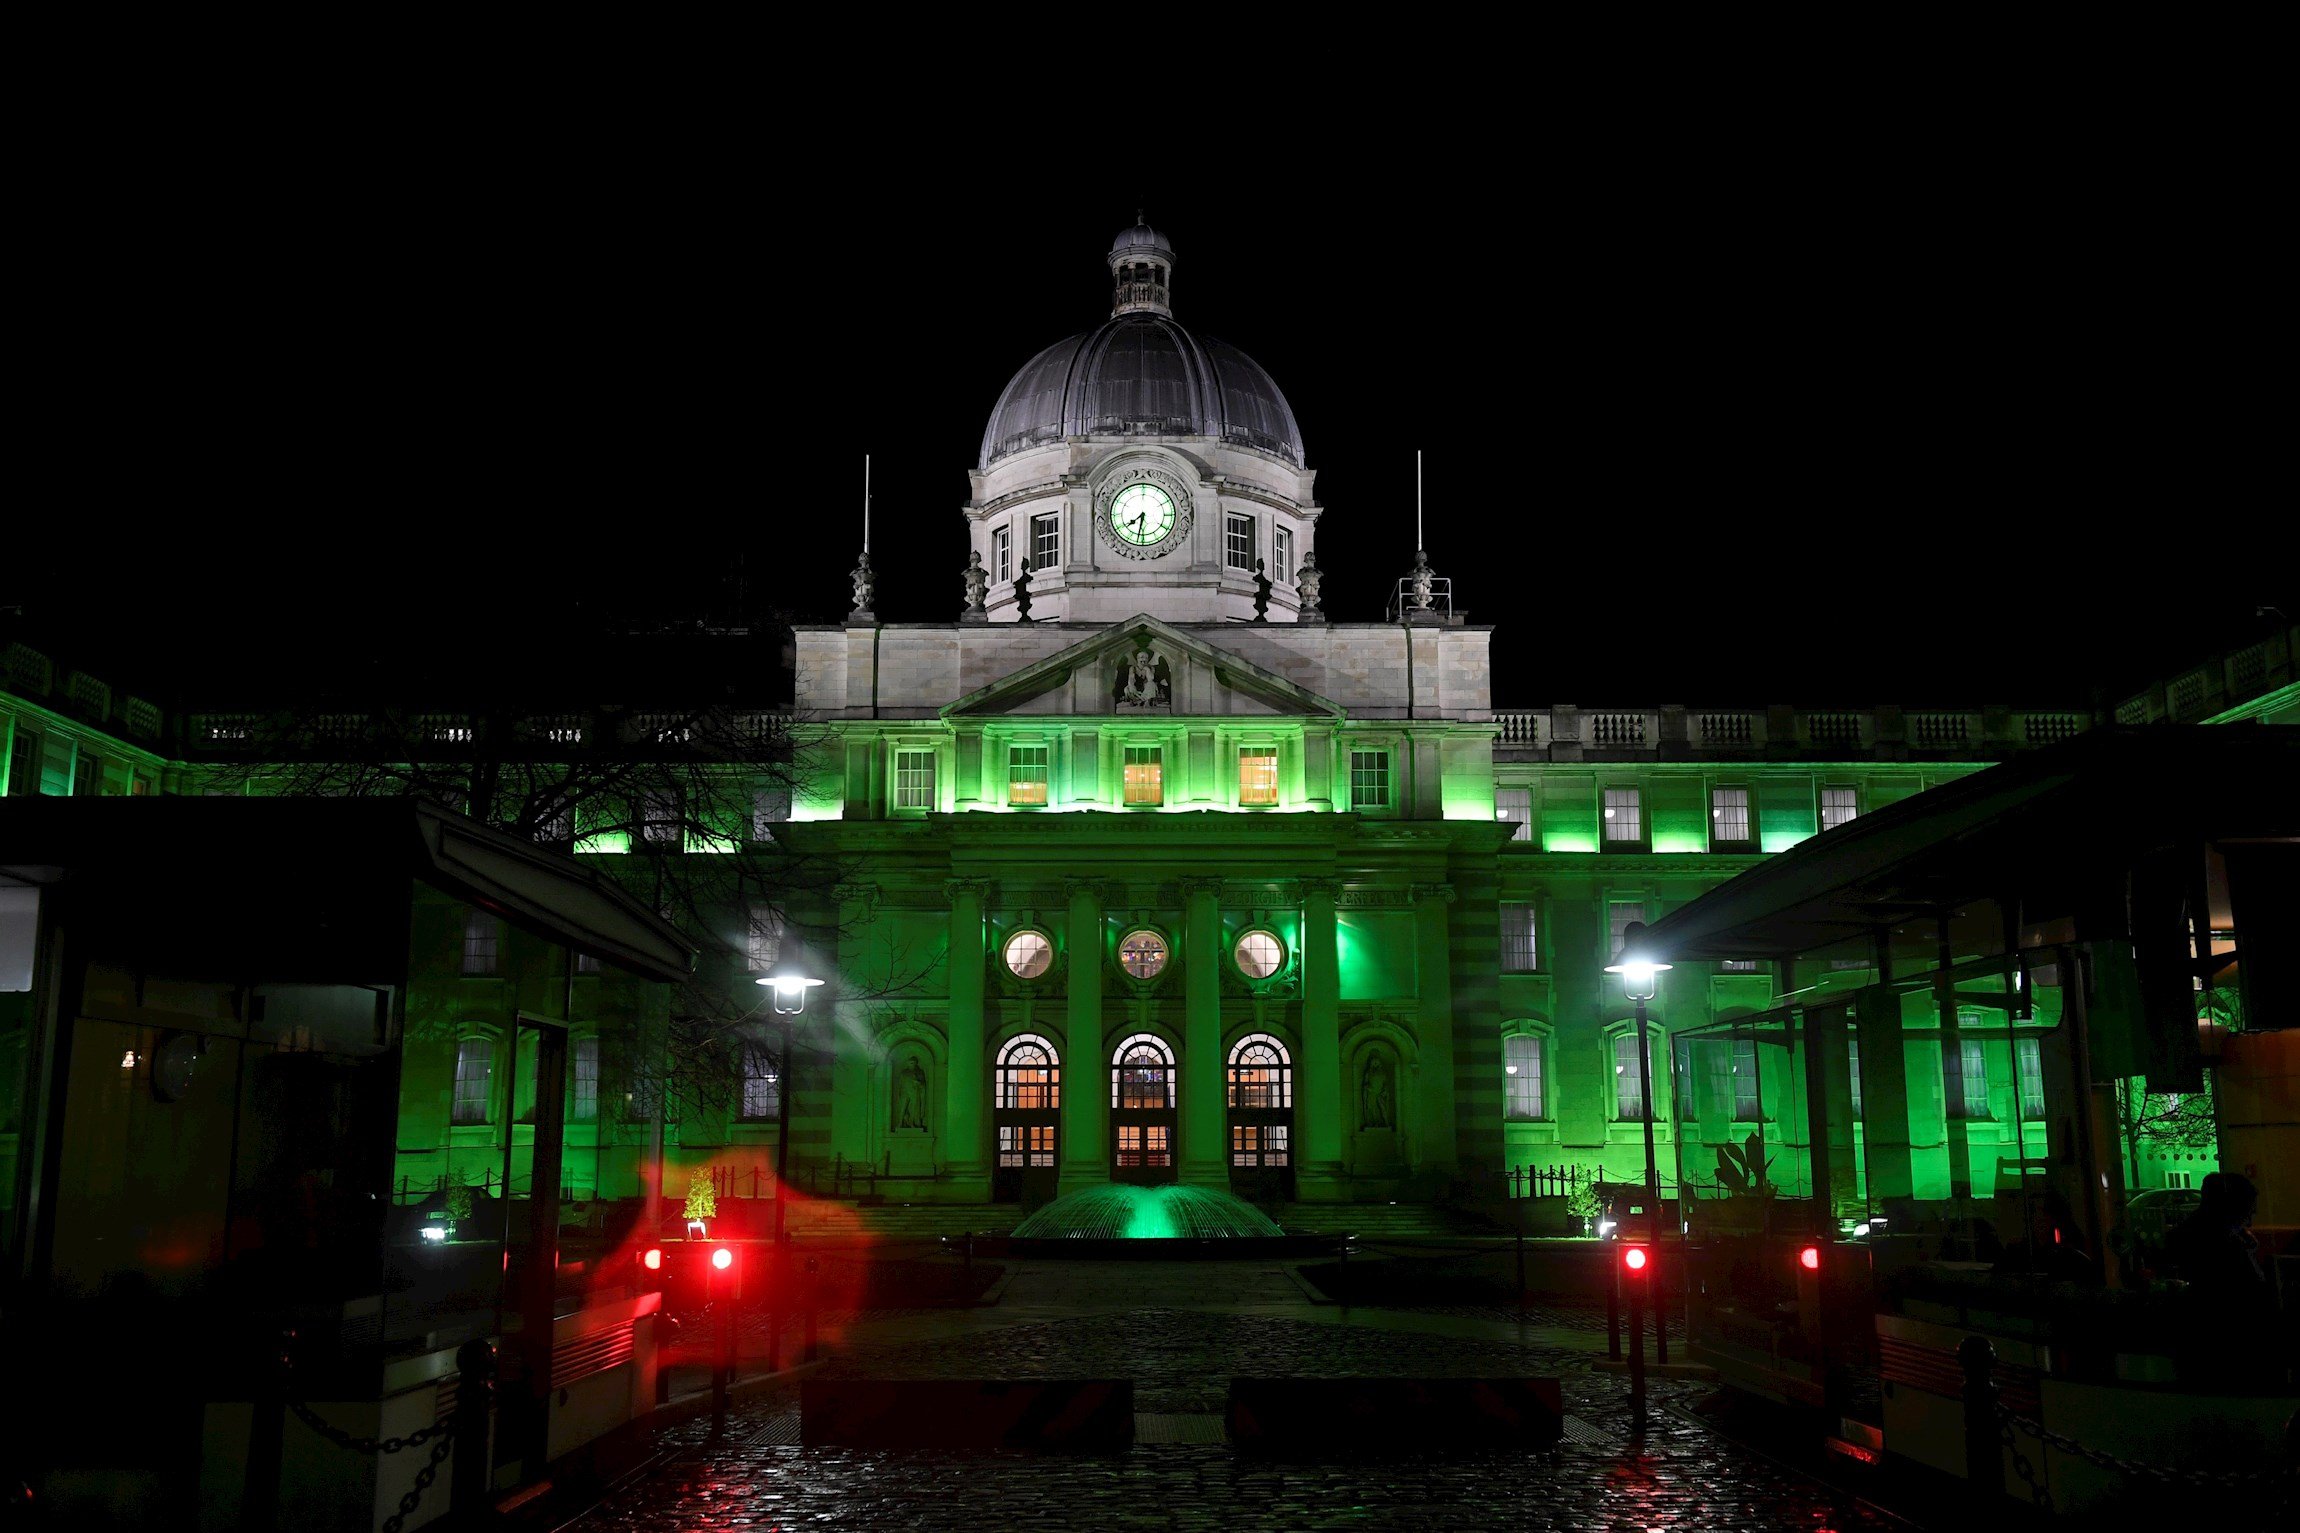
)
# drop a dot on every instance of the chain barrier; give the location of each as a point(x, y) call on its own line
point(367, 1447)
point(2225, 1479)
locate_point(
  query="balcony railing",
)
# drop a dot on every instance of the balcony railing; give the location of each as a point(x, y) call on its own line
point(1565, 733)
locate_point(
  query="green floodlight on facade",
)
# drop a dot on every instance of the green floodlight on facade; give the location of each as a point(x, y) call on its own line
point(790, 985)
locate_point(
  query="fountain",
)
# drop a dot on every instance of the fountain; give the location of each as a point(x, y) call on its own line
point(1121, 1212)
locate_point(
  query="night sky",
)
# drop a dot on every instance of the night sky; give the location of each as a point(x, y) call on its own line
point(1928, 424)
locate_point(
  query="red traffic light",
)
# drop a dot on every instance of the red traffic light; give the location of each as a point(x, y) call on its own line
point(1810, 1258)
point(652, 1259)
point(722, 1258)
point(1633, 1257)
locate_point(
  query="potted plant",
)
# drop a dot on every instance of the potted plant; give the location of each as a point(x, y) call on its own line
point(1584, 1204)
point(702, 1204)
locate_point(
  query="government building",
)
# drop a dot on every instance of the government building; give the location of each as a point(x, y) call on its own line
point(1151, 872)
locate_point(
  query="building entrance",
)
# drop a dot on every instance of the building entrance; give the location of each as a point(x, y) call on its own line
point(1142, 1111)
point(1027, 1119)
point(1261, 1105)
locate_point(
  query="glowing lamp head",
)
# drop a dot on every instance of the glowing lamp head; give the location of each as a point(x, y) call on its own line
point(722, 1258)
point(1633, 1258)
point(1638, 968)
point(1810, 1258)
point(652, 1260)
point(434, 1233)
point(789, 985)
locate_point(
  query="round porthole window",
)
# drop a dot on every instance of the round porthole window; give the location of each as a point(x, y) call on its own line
point(1259, 954)
point(1142, 953)
point(1029, 954)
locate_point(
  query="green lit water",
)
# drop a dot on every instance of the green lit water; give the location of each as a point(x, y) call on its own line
point(1120, 1212)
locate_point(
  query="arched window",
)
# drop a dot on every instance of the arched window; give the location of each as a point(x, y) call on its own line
point(1142, 1073)
point(1525, 1096)
point(1029, 1074)
point(1261, 1073)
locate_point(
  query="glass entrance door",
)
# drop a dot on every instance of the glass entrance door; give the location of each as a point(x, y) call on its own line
point(1142, 1111)
point(1261, 1106)
point(1026, 1117)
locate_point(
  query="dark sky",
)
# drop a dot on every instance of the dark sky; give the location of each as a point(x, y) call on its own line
point(1926, 421)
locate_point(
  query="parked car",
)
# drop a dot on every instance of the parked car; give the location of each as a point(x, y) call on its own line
point(2153, 1214)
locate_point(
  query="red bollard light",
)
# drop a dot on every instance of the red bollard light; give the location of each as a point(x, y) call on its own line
point(1633, 1259)
point(722, 1258)
point(1810, 1258)
point(652, 1259)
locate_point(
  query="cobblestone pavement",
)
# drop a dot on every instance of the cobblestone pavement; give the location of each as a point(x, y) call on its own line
point(1677, 1475)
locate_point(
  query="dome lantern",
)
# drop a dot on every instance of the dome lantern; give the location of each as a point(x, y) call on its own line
point(1141, 266)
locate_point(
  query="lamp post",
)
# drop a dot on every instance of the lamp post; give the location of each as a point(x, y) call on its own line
point(789, 984)
point(1640, 975)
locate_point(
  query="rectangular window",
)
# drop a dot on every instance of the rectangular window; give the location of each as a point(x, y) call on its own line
point(1145, 775)
point(1026, 1144)
point(1739, 966)
point(1369, 779)
point(1046, 541)
point(583, 1081)
point(770, 806)
point(1245, 1144)
point(140, 786)
point(1010, 1144)
point(1628, 1094)
point(914, 779)
point(1042, 1144)
point(87, 775)
point(2180, 1179)
point(482, 942)
point(1026, 774)
point(474, 1080)
point(762, 1085)
point(1281, 555)
point(1624, 817)
point(659, 820)
point(1965, 1078)
point(1145, 1144)
point(1258, 774)
point(1853, 1067)
point(1521, 1069)
point(1238, 541)
point(23, 763)
point(2028, 1054)
point(1276, 1144)
point(1620, 915)
point(1002, 555)
point(1837, 806)
point(1514, 806)
point(1745, 1104)
point(1729, 818)
point(762, 938)
point(1520, 940)
point(586, 964)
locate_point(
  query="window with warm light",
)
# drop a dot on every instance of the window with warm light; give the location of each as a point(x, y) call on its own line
point(1145, 1144)
point(1258, 774)
point(1521, 1072)
point(914, 779)
point(1838, 805)
point(1142, 953)
point(1624, 817)
point(1142, 1074)
point(1261, 1073)
point(1026, 772)
point(1369, 779)
point(1145, 767)
point(1729, 828)
point(1029, 1075)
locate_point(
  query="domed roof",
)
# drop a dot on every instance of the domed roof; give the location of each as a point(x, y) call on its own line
point(1141, 373)
point(1140, 238)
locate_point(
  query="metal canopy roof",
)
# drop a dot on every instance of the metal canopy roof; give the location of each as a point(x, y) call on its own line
point(2086, 809)
point(285, 848)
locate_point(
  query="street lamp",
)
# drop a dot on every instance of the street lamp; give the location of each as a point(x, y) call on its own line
point(1640, 978)
point(789, 983)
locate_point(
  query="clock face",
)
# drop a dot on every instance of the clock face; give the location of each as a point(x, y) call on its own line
point(1142, 514)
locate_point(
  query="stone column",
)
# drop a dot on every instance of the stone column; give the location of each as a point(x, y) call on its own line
point(1085, 1073)
point(1204, 1152)
point(1433, 955)
point(1318, 1107)
point(965, 1093)
point(1884, 1095)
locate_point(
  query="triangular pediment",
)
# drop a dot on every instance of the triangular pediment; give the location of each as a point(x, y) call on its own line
point(1144, 668)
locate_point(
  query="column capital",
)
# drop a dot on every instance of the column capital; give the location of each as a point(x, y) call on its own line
point(957, 888)
point(1199, 883)
point(1097, 889)
point(1440, 893)
point(1328, 888)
